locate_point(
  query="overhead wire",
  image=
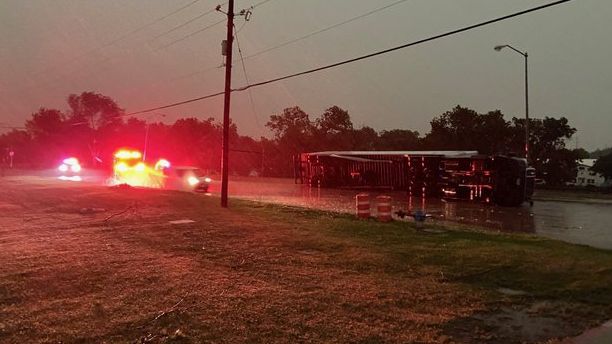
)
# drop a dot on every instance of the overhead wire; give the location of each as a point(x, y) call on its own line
point(363, 57)
point(344, 22)
point(204, 28)
point(297, 39)
point(214, 67)
point(62, 75)
point(246, 79)
point(202, 15)
point(128, 34)
point(191, 34)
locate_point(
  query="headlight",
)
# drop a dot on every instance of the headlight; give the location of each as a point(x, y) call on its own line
point(75, 168)
point(70, 161)
point(140, 167)
point(193, 181)
point(63, 168)
point(208, 180)
point(121, 167)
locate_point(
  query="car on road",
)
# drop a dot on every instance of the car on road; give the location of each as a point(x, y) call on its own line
point(187, 178)
point(70, 169)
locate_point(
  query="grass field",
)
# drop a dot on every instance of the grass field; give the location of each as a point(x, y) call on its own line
point(73, 273)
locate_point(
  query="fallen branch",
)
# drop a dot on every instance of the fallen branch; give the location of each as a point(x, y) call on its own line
point(132, 207)
point(170, 310)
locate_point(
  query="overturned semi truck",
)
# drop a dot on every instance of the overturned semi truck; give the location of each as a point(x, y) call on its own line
point(460, 175)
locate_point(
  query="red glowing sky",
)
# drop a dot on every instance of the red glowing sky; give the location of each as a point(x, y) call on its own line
point(50, 49)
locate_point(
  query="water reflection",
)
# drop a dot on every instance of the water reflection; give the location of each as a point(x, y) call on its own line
point(573, 222)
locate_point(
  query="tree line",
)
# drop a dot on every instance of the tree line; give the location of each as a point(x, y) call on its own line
point(94, 125)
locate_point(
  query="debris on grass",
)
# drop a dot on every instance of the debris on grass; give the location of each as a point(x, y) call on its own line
point(180, 222)
point(91, 210)
point(511, 292)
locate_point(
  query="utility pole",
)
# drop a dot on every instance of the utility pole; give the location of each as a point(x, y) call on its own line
point(226, 103)
point(526, 107)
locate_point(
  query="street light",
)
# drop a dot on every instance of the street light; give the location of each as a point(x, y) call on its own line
point(499, 48)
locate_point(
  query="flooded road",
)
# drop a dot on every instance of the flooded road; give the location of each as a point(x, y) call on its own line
point(581, 223)
point(587, 223)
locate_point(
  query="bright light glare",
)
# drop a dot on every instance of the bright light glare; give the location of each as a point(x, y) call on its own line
point(126, 154)
point(140, 167)
point(193, 181)
point(75, 168)
point(161, 164)
point(121, 167)
point(63, 168)
point(71, 161)
point(72, 179)
point(208, 180)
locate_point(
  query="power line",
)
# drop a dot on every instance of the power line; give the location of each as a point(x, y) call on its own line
point(130, 33)
point(291, 41)
point(403, 46)
point(363, 57)
point(60, 77)
point(184, 76)
point(297, 39)
point(202, 29)
point(183, 24)
point(191, 34)
point(175, 104)
point(246, 78)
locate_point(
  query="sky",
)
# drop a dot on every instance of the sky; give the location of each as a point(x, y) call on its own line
point(145, 53)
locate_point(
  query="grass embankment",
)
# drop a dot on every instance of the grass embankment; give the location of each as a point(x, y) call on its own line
point(573, 195)
point(264, 273)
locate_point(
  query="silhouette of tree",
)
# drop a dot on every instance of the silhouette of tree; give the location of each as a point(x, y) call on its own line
point(398, 139)
point(603, 165)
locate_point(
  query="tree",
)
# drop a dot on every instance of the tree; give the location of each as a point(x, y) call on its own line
point(603, 166)
point(365, 139)
point(292, 121)
point(398, 139)
point(334, 130)
point(294, 133)
point(465, 129)
point(46, 124)
point(581, 153)
point(560, 167)
point(95, 119)
point(20, 142)
point(547, 152)
point(47, 128)
point(197, 142)
point(600, 152)
point(96, 110)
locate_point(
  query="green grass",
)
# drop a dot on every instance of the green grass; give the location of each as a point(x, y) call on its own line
point(544, 268)
point(268, 273)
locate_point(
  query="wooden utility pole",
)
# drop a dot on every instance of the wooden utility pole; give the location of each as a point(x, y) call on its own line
point(226, 103)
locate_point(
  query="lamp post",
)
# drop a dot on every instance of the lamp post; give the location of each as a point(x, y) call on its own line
point(499, 48)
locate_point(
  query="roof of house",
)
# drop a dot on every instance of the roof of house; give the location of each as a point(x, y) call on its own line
point(587, 162)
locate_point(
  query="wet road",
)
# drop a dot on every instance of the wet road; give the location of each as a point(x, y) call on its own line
point(581, 223)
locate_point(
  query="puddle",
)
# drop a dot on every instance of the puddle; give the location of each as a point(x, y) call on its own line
point(582, 223)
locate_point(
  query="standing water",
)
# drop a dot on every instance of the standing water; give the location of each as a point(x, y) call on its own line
point(573, 222)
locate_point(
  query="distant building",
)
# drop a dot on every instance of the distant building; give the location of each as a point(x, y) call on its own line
point(587, 177)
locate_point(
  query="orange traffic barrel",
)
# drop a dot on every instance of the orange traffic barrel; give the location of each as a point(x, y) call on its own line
point(383, 204)
point(362, 202)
